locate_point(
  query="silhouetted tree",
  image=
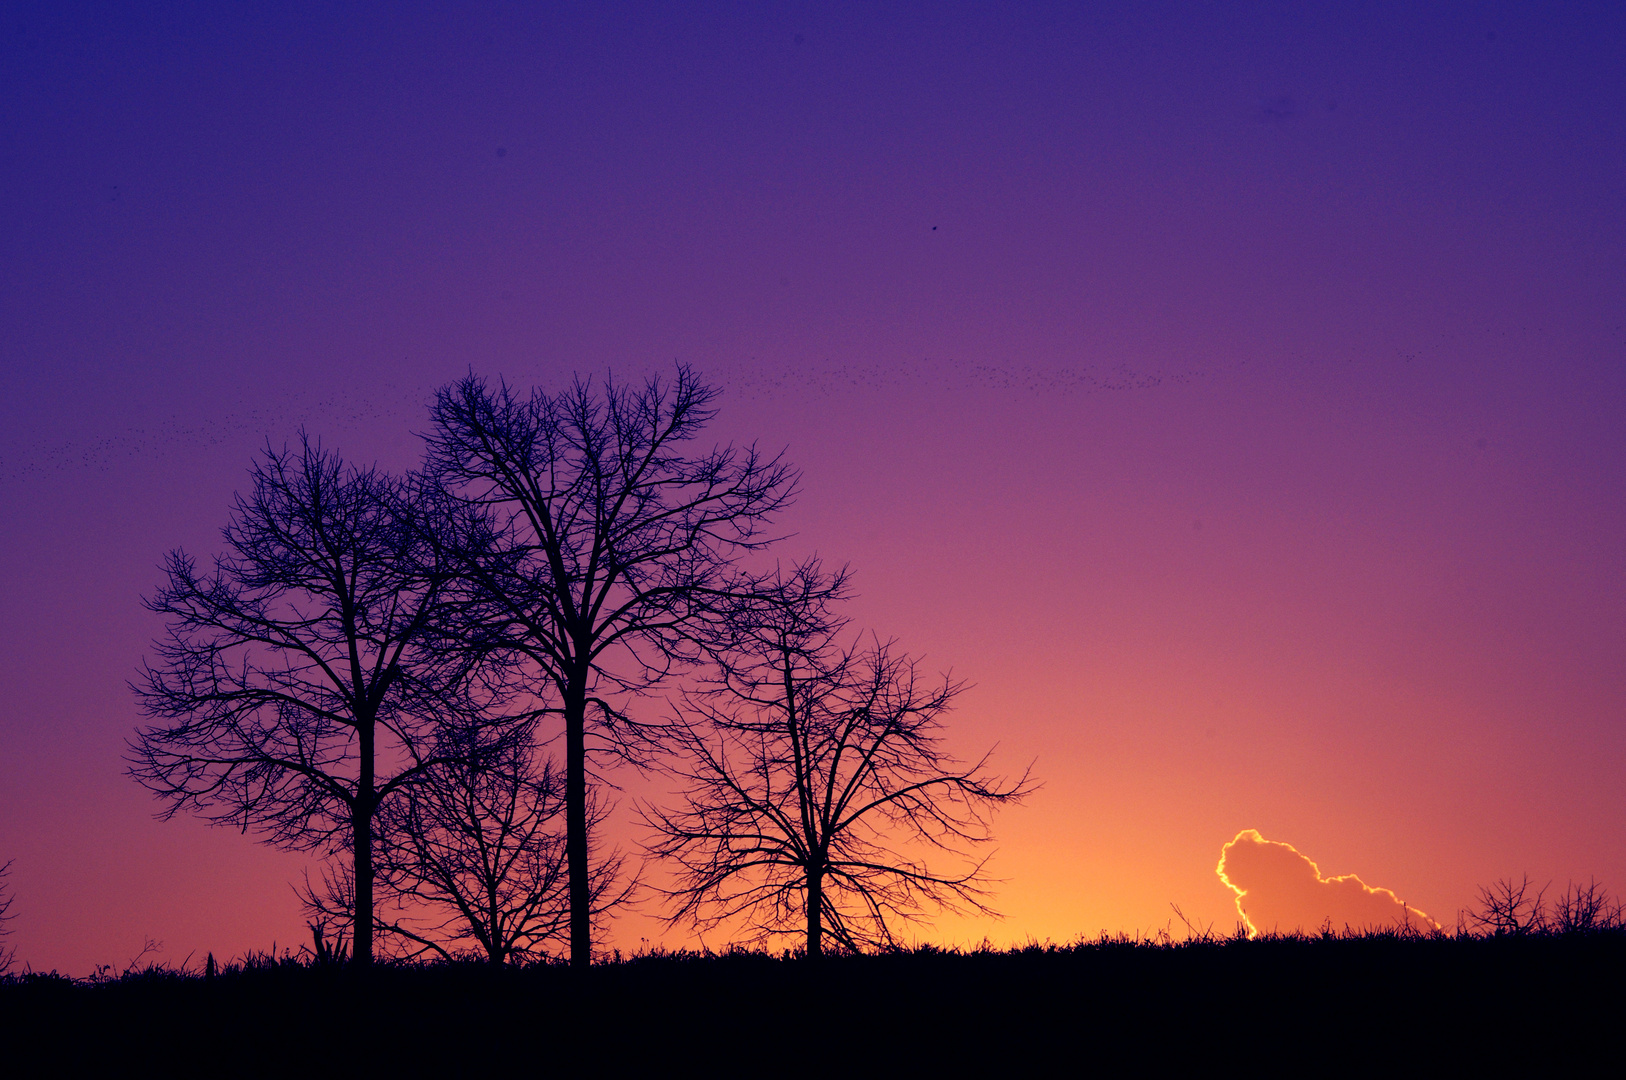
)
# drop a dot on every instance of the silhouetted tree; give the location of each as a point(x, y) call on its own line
point(1518, 909)
point(7, 954)
point(474, 852)
point(812, 770)
point(1510, 908)
point(306, 678)
point(618, 549)
point(1585, 909)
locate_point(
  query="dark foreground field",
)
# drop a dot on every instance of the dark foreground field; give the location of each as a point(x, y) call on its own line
point(1305, 1004)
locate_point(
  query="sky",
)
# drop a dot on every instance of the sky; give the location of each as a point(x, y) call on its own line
point(1230, 393)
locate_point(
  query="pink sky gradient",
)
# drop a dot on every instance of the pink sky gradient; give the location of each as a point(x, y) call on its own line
point(1234, 398)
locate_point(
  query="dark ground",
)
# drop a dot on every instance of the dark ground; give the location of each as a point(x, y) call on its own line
point(1308, 1004)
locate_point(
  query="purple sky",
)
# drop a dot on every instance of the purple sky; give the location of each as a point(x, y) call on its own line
point(1233, 393)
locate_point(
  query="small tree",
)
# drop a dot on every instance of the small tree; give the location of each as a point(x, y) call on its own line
point(816, 782)
point(616, 549)
point(306, 679)
point(474, 854)
point(1585, 909)
point(1510, 908)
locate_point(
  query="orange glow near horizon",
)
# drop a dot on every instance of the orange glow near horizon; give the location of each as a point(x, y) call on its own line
point(1232, 400)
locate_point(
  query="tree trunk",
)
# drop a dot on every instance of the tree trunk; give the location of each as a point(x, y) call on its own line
point(496, 932)
point(361, 827)
point(581, 925)
point(815, 924)
point(361, 824)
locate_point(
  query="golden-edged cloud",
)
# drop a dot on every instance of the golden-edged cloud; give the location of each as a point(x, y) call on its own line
point(1278, 890)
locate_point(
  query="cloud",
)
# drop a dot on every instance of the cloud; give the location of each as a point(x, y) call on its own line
point(1279, 890)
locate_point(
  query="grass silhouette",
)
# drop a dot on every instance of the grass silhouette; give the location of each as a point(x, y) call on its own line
point(1149, 1003)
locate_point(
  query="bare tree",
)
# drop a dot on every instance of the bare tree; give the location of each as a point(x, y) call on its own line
point(474, 853)
point(305, 679)
point(618, 549)
point(1510, 908)
point(8, 955)
point(1585, 909)
point(817, 782)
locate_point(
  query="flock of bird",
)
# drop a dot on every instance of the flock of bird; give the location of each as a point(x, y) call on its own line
point(208, 427)
point(751, 379)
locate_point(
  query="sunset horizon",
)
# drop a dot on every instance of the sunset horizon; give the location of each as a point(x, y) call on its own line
point(1216, 412)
